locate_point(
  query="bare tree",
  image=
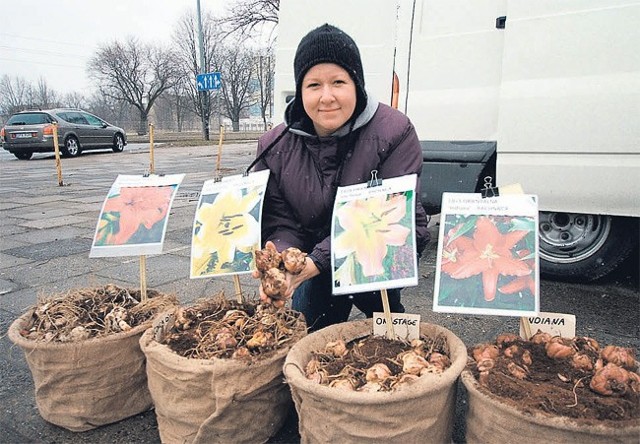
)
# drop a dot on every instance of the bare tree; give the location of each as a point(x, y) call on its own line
point(73, 100)
point(244, 16)
point(44, 96)
point(265, 76)
point(112, 110)
point(238, 85)
point(14, 97)
point(175, 107)
point(134, 73)
point(186, 41)
point(18, 94)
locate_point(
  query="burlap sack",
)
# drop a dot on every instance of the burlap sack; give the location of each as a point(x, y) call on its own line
point(83, 385)
point(490, 421)
point(419, 412)
point(215, 400)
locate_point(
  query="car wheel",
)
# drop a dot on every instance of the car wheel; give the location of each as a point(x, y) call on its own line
point(584, 247)
point(118, 143)
point(23, 156)
point(71, 147)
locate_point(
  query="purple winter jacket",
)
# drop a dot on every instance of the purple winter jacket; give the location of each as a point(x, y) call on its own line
point(300, 193)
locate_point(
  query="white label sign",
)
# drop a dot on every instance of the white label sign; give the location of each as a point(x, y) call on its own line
point(556, 324)
point(405, 326)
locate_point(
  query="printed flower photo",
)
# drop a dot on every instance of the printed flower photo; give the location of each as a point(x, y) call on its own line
point(488, 262)
point(134, 215)
point(226, 231)
point(373, 241)
point(226, 228)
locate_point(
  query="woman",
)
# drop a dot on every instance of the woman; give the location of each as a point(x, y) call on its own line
point(334, 135)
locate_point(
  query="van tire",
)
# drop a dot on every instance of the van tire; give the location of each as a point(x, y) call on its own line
point(584, 247)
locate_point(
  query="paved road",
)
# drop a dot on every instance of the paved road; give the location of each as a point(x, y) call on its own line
point(45, 237)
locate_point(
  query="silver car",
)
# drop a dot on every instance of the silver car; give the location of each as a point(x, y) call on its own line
point(29, 132)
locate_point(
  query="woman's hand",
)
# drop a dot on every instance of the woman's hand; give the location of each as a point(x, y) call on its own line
point(263, 296)
point(266, 259)
point(295, 280)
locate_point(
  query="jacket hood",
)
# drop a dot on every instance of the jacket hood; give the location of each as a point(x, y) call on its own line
point(297, 125)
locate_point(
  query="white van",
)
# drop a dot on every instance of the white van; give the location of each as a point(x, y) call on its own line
point(544, 93)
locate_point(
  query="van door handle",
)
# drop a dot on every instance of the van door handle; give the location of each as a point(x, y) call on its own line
point(501, 22)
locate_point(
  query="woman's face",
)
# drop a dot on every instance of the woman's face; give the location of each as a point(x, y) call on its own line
point(328, 97)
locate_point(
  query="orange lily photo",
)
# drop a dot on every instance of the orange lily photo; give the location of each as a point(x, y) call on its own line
point(134, 215)
point(485, 261)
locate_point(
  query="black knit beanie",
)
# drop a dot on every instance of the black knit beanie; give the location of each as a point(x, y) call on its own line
point(328, 44)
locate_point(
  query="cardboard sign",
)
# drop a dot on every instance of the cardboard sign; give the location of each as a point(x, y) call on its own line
point(405, 326)
point(556, 324)
point(373, 245)
point(487, 260)
point(133, 219)
point(226, 227)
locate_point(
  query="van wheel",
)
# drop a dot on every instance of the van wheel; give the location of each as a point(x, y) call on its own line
point(23, 156)
point(118, 143)
point(71, 147)
point(584, 247)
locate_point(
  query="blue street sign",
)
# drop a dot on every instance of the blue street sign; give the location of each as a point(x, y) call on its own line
point(211, 80)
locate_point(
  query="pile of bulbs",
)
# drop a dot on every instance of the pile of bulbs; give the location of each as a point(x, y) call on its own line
point(341, 366)
point(272, 266)
point(611, 371)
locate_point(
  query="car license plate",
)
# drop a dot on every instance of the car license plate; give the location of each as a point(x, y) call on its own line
point(23, 136)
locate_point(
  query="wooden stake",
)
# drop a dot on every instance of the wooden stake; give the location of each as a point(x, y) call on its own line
point(151, 162)
point(56, 148)
point(219, 149)
point(387, 314)
point(143, 258)
point(236, 283)
point(526, 327)
point(143, 278)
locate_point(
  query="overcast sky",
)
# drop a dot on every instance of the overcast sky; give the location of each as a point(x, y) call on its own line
point(55, 39)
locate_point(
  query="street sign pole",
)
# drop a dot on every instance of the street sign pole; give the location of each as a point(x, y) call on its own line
point(211, 81)
point(204, 94)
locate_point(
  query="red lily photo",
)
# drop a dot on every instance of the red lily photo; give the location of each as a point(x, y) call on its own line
point(486, 261)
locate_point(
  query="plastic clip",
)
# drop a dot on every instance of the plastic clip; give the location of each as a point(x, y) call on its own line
point(374, 182)
point(489, 190)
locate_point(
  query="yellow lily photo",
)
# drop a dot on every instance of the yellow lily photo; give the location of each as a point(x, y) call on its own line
point(226, 227)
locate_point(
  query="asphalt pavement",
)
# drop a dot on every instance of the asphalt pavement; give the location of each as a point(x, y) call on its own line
point(45, 238)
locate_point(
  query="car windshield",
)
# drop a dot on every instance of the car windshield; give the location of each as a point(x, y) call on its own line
point(29, 119)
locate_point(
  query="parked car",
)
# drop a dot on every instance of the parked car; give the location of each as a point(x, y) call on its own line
point(29, 132)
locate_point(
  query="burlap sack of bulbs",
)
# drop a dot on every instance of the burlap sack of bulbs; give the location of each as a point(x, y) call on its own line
point(216, 400)
point(489, 420)
point(423, 411)
point(83, 385)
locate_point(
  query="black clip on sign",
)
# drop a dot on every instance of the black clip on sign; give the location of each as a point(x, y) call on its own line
point(488, 190)
point(374, 182)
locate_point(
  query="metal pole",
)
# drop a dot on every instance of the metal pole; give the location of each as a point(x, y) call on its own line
point(204, 95)
point(219, 108)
